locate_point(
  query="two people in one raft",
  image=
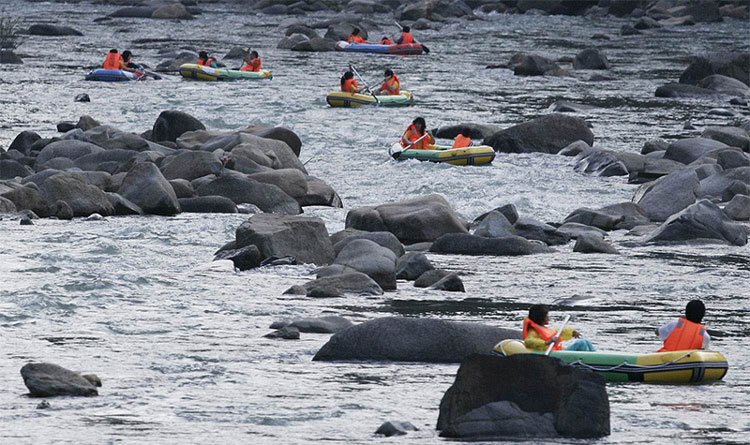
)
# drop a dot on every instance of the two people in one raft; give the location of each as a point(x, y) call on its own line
point(251, 61)
point(686, 333)
point(123, 62)
point(417, 137)
point(403, 39)
point(390, 86)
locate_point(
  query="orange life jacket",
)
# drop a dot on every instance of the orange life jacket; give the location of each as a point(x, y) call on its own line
point(355, 39)
point(112, 62)
point(395, 85)
point(406, 37)
point(461, 141)
point(412, 135)
point(685, 335)
point(207, 62)
point(544, 332)
point(254, 65)
point(350, 86)
point(386, 42)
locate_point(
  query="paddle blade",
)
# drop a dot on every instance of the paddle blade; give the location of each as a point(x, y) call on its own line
point(426, 50)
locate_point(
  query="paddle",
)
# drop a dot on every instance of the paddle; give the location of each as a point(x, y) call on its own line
point(152, 74)
point(554, 339)
point(424, 47)
point(354, 70)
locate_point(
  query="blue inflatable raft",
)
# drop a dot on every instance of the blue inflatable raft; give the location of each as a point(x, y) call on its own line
point(103, 75)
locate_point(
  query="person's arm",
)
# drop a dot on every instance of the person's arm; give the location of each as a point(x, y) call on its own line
point(400, 39)
point(533, 341)
point(569, 333)
point(405, 138)
point(664, 331)
point(706, 341)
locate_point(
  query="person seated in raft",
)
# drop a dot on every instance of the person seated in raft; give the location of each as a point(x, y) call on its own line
point(537, 336)
point(205, 60)
point(113, 61)
point(415, 136)
point(686, 332)
point(348, 84)
point(252, 62)
point(386, 41)
point(354, 37)
point(391, 84)
point(127, 60)
point(463, 139)
point(405, 36)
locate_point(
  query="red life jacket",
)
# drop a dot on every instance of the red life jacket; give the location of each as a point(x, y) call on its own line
point(413, 135)
point(350, 86)
point(395, 85)
point(685, 335)
point(406, 37)
point(461, 141)
point(112, 62)
point(207, 62)
point(254, 65)
point(544, 332)
point(386, 42)
point(355, 39)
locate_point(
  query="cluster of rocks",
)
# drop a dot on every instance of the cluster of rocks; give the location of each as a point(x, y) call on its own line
point(50, 380)
point(176, 166)
point(527, 64)
point(666, 13)
point(290, 329)
point(719, 75)
point(155, 9)
point(322, 35)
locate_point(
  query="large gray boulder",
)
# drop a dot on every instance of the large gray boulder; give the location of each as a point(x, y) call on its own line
point(6, 206)
point(413, 340)
point(594, 218)
point(353, 282)
point(738, 208)
point(724, 84)
point(304, 238)
point(703, 220)
point(415, 220)
point(83, 199)
point(105, 160)
point(593, 244)
point(207, 204)
point(683, 90)
point(10, 169)
point(71, 149)
point(732, 136)
point(191, 165)
point(172, 124)
point(290, 180)
point(23, 141)
point(282, 134)
point(546, 134)
point(533, 229)
point(268, 152)
point(329, 324)
point(49, 380)
point(532, 65)
point(466, 244)
point(45, 29)
point(579, 403)
point(241, 189)
point(174, 11)
point(735, 65)
point(494, 225)
point(412, 265)
point(591, 59)
point(690, 149)
point(28, 198)
point(715, 185)
point(502, 419)
point(476, 131)
point(320, 194)
point(629, 214)
point(668, 195)
point(146, 187)
point(383, 239)
point(377, 262)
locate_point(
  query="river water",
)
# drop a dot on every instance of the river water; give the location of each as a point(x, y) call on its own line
point(177, 339)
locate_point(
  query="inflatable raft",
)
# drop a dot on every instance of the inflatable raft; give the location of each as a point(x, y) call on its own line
point(406, 49)
point(478, 155)
point(198, 72)
point(343, 99)
point(103, 75)
point(694, 366)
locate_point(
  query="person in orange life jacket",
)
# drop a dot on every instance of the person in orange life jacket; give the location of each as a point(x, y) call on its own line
point(537, 336)
point(354, 37)
point(205, 60)
point(405, 36)
point(391, 84)
point(348, 84)
point(113, 61)
point(687, 332)
point(415, 131)
point(252, 62)
point(386, 41)
point(463, 139)
point(127, 60)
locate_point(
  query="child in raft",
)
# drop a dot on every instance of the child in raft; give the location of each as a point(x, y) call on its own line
point(205, 60)
point(348, 84)
point(252, 62)
point(463, 139)
point(537, 336)
point(686, 332)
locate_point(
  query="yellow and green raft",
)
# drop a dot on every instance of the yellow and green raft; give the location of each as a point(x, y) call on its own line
point(692, 366)
point(199, 72)
point(343, 99)
point(475, 155)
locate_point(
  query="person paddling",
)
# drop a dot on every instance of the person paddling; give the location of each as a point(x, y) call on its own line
point(354, 37)
point(113, 61)
point(416, 137)
point(205, 60)
point(127, 60)
point(252, 62)
point(391, 85)
point(686, 332)
point(463, 139)
point(348, 84)
point(405, 36)
point(537, 336)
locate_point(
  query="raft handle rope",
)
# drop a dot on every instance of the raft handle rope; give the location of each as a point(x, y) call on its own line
point(625, 363)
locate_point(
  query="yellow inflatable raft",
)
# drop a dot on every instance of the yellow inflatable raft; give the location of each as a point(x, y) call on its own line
point(478, 155)
point(343, 99)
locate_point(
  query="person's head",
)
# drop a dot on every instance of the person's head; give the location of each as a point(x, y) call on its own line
point(405, 29)
point(385, 38)
point(126, 55)
point(420, 124)
point(113, 51)
point(203, 55)
point(465, 132)
point(388, 73)
point(347, 75)
point(253, 54)
point(695, 310)
point(355, 32)
point(539, 314)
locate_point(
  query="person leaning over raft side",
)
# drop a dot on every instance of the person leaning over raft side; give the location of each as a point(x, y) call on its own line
point(537, 336)
point(386, 41)
point(205, 60)
point(391, 84)
point(348, 84)
point(414, 132)
point(687, 332)
point(463, 139)
point(127, 59)
point(252, 62)
point(113, 61)
point(405, 36)
point(354, 37)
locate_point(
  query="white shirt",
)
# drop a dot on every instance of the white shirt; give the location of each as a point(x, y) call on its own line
point(667, 329)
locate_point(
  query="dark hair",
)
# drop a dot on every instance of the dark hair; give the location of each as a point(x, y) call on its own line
point(385, 38)
point(203, 55)
point(347, 75)
point(388, 72)
point(419, 122)
point(355, 31)
point(466, 131)
point(405, 29)
point(113, 51)
point(254, 53)
point(126, 55)
point(695, 310)
point(538, 313)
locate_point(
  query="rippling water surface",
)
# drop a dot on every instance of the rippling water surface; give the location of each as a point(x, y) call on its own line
point(177, 339)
